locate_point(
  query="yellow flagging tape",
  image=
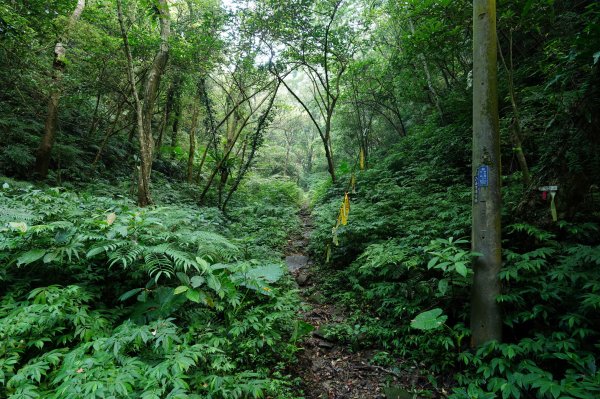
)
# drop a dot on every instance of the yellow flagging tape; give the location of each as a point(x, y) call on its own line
point(342, 219)
point(361, 158)
point(344, 211)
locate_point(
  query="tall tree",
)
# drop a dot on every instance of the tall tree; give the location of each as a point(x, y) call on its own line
point(321, 39)
point(145, 110)
point(516, 134)
point(44, 152)
point(486, 320)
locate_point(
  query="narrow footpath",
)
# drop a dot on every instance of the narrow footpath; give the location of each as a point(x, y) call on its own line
point(330, 370)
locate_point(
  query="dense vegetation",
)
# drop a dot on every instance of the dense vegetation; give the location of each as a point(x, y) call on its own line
point(154, 156)
point(105, 299)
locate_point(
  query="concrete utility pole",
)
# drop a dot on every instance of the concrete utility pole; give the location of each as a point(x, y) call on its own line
point(486, 320)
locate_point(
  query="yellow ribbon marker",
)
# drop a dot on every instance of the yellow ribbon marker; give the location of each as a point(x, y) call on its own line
point(342, 219)
point(344, 210)
point(361, 158)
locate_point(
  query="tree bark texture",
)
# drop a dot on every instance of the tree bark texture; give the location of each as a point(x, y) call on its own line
point(232, 128)
point(175, 113)
point(44, 151)
point(486, 320)
point(190, 164)
point(145, 111)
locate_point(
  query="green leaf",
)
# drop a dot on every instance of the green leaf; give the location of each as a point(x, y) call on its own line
point(526, 8)
point(301, 328)
point(443, 286)
point(94, 251)
point(193, 295)
point(129, 294)
point(197, 281)
point(271, 273)
point(122, 230)
point(461, 268)
point(214, 283)
point(183, 278)
point(432, 262)
point(429, 320)
point(181, 289)
point(30, 256)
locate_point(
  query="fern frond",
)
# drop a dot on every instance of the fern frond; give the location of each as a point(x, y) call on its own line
point(126, 255)
point(158, 264)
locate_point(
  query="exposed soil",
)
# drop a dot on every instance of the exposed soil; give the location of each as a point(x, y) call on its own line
point(330, 370)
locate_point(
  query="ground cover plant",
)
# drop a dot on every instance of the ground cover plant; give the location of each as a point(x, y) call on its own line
point(408, 295)
point(105, 299)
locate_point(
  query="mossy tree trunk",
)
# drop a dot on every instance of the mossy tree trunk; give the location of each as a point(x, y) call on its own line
point(44, 151)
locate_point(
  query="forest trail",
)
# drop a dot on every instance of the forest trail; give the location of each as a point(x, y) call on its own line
point(329, 370)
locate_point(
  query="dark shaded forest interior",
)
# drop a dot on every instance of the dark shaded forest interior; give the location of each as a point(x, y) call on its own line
point(233, 199)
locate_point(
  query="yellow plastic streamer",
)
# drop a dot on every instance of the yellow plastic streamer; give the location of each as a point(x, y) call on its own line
point(361, 158)
point(342, 219)
point(344, 211)
point(335, 240)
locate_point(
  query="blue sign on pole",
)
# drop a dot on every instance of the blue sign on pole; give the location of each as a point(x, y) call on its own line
point(483, 175)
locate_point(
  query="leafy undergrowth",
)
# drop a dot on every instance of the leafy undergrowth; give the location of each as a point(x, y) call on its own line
point(401, 255)
point(103, 299)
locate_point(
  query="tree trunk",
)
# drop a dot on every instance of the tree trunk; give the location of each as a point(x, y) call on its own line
point(221, 163)
point(324, 132)
point(486, 320)
point(109, 133)
point(288, 146)
point(328, 146)
point(231, 138)
point(145, 111)
point(190, 165)
point(174, 111)
point(515, 128)
point(152, 84)
point(515, 136)
point(175, 128)
point(95, 118)
point(256, 143)
point(309, 158)
point(44, 151)
point(165, 117)
point(435, 98)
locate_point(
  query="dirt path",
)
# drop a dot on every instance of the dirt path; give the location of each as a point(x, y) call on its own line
point(329, 370)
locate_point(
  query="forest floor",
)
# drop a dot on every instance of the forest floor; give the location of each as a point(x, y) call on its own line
point(328, 369)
